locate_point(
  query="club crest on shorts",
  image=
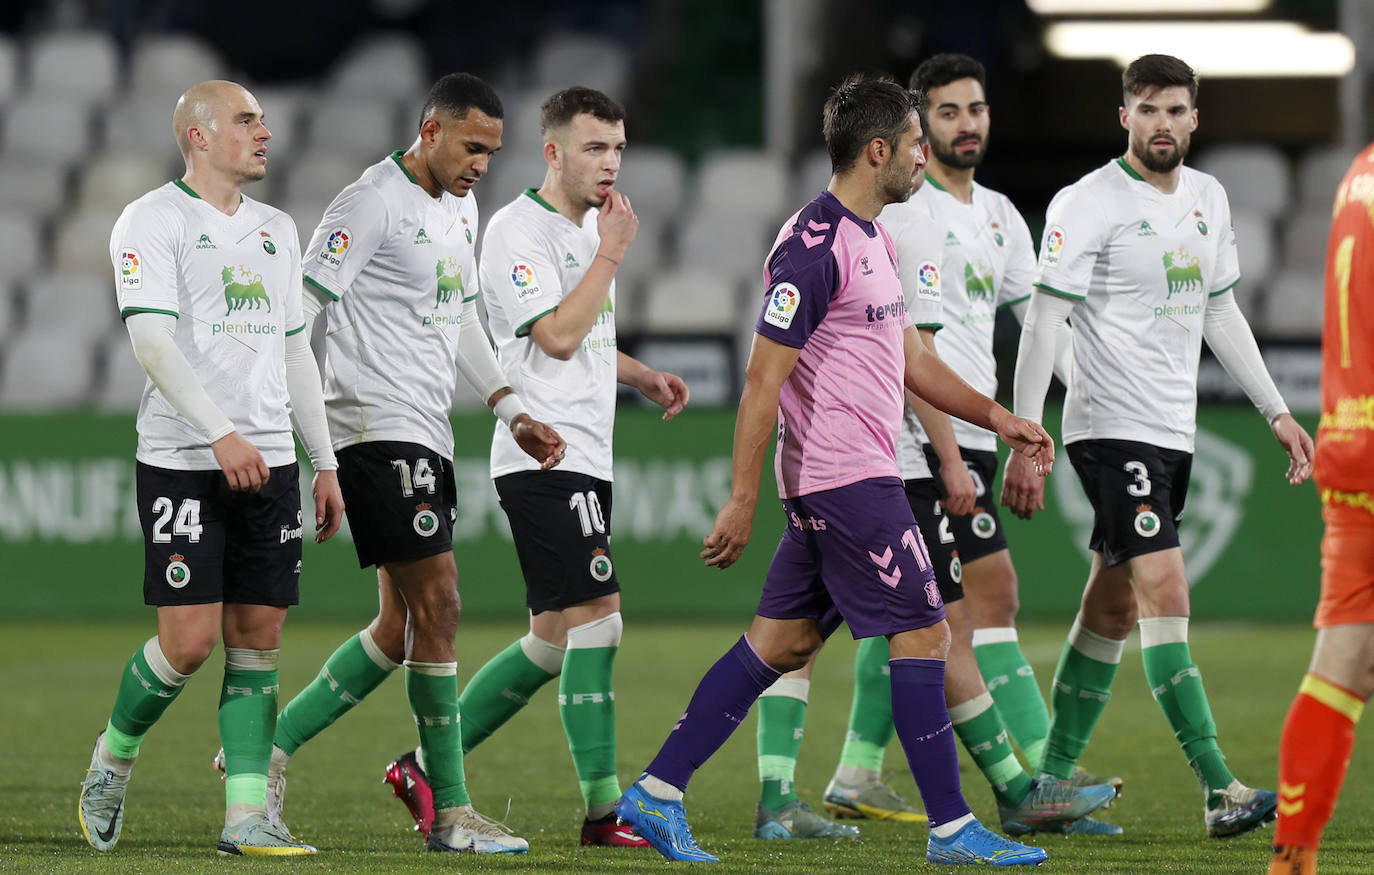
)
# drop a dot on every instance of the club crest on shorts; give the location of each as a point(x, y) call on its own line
point(600, 567)
point(1146, 522)
point(956, 568)
point(933, 594)
point(984, 526)
point(178, 573)
point(426, 521)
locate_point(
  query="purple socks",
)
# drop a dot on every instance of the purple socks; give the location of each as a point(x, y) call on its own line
point(923, 726)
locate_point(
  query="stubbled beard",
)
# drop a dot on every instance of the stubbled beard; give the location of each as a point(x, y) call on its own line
point(951, 157)
point(1161, 164)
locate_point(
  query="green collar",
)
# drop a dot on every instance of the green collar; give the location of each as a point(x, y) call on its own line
point(396, 156)
point(192, 192)
point(1130, 171)
point(534, 195)
point(935, 182)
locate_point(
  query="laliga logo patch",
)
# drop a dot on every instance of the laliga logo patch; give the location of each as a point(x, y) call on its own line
point(782, 305)
point(601, 566)
point(426, 521)
point(928, 282)
point(522, 277)
point(1146, 522)
point(1054, 244)
point(130, 276)
point(336, 247)
point(178, 573)
point(984, 526)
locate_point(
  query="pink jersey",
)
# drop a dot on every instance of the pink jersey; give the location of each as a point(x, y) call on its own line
point(833, 293)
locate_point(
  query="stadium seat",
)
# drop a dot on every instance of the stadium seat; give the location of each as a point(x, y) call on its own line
point(79, 65)
point(813, 174)
point(744, 182)
point(566, 58)
point(1320, 170)
point(520, 127)
point(320, 175)
point(83, 305)
point(306, 213)
point(1304, 240)
point(83, 241)
point(47, 129)
point(9, 312)
point(115, 179)
point(164, 65)
point(33, 188)
point(143, 128)
point(690, 301)
point(655, 180)
point(122, 378)
point(9, 70)
point(388, 65)
point(45, 371)
point(364, 129)
point(1255, 176)
point(508, 175)
point(21, 246)
point(1294, 305)
point(1255, 248)
point(284, 108)
point(729, 244)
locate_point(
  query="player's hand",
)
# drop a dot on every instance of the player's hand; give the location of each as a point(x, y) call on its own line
point(1023, 490)
point(1028, 439)
point(329, 505)
point(666, 390)
point(241, 462)
point(728, 539)
point(1297, 443)
point(539, 441)
point(617, 225)
point(960, 492)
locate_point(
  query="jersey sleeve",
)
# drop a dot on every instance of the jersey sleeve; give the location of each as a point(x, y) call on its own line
point(1075, 236)
point(1227, 271)
point(295, 314)
point(919, 246)
point(144, 248)
point(353, 228)
point(521, 276)
point(1019, 275)
point(801, 283)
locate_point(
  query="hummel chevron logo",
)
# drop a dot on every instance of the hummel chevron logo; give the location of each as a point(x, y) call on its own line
point(651, 811)
point(812, 240)
point(817, 226)
point(885, 562)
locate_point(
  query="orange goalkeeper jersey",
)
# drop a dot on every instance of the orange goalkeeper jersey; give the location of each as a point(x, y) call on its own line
point(1345, 436)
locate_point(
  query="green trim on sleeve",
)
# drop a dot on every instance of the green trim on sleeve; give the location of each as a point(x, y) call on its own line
point(296, 330)
point(396, 156)
point(524, 328)
point(320, 287)
point(534, 195)
point(132, 311)
point(1223, 290)
point(1130, 171)
point(1014, 302)
point(933, 326)
point(1060, 292)
point(474, 296)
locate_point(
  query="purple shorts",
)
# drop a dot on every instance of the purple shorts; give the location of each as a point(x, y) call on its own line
point(854, 551)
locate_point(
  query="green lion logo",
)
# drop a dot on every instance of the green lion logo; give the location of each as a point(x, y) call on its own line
point(449, 275)
point(978, 282)
point(248, 293)
point(1182, 272)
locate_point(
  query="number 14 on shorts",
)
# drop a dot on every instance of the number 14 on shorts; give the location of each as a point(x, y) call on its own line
point(891, 572)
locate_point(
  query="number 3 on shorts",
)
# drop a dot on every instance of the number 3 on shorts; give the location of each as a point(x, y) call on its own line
point(1141, 487)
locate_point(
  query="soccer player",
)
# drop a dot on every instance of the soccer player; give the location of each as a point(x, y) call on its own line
point(392, 266)
point(1141, 253)
point(1320, 731)
point(217, 481)
point(832, 341)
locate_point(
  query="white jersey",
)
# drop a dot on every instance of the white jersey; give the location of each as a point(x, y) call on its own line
point(1143, 264)
point(988, 263)
point(233, 282)
point(532, 258)
point(918, 242)
point(400, 264)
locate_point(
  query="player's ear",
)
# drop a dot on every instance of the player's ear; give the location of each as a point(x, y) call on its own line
point(1121, 113)
point(429, 130)
point(552, 155)
point(878, 151)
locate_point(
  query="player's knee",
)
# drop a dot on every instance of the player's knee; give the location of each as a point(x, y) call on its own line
point(188, 652)
point(792, 652)
point(388, 633)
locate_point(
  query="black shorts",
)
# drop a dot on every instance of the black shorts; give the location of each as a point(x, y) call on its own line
point(937, 530)
point(979, 533)
point(561, 523)
point(400, 500)
point(1137, 492)
point(205, 543)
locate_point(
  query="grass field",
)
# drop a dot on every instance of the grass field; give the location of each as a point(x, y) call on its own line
point(59, 681)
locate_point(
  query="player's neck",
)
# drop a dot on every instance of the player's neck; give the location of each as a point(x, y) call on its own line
point(1166, 182)
point(419, 171)
point(553, 195)
point(218, 191)
point(958, 181)
point(857, 194)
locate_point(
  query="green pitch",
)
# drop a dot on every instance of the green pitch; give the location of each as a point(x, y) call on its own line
point(59, 680)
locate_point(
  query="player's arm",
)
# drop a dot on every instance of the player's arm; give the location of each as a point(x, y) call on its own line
point(669, 391)
point(153, 336)
point(1063, 341)
point(309, 420)
point(933, 380)
point(1046, 318)
point(1228, 334)
point(960, 492)
point(770, 363)
point(561, 331)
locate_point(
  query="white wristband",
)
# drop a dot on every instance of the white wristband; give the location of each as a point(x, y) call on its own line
point(509, 407)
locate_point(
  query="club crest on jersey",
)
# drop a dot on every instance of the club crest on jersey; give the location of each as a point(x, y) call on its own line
point(425, 522)
point(1054, 245)
point(267, 245)
point(984, 526)
point(956, 568)
point(782, 305)
point(928, 282)
point(1182, 272)
point(522, 277)
point(996, 234)
point(130, 269)
point(178, 573)
point(1146, 522)
point(600, 567)
point(336, 247)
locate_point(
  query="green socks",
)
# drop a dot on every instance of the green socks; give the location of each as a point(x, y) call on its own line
point(353, 671)
point(147, 686)
point(1082, 686)
point(1177, 687)
point(432, 688)
point(586, 702)
point(505, 684)
point(782, 714)
point(870, 714)
point(247, 719)
point(1011, 681)
point(979, 727)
